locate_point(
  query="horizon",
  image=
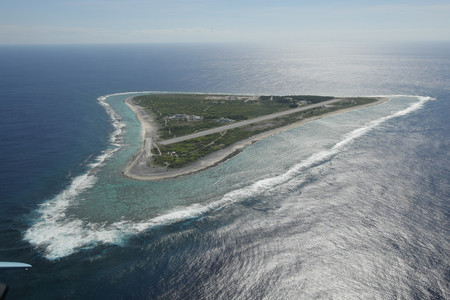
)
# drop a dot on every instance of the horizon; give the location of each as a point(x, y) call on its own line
point(201, 21)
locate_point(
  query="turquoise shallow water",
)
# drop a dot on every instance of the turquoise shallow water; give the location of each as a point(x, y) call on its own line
point(346, 207)
point(102, 206)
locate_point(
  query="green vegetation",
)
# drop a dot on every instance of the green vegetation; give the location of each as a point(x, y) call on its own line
point(173, 111)
point(184, 153)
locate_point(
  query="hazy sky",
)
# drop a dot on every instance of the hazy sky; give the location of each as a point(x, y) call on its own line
point(147, 21)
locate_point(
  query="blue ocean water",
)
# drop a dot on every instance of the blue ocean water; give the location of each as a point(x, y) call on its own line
point(350, 206)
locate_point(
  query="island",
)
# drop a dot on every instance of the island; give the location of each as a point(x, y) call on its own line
point(187, 133)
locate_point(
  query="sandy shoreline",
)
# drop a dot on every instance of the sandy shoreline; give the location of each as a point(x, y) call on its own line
point(138, 168)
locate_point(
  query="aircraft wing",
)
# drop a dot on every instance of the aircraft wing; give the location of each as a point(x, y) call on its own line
point(13, 265)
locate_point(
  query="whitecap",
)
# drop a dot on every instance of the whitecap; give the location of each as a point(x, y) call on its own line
point(59, 236)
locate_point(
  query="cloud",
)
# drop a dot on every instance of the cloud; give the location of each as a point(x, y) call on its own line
point(289, 22)
point(19, 34)
point(187, 34)
point(174, 31)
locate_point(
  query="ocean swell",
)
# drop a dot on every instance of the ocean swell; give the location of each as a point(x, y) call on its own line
point(58, 235)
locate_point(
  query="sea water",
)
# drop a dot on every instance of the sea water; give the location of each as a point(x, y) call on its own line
point(349, 206)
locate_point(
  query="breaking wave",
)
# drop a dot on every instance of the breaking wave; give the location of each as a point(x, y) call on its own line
point(59, 236)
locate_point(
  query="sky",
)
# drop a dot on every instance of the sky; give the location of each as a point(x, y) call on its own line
point(205, 21)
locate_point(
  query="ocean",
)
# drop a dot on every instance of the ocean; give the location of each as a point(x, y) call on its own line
point(352, 206)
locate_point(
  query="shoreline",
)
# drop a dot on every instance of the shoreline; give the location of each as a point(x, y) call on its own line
point(138, 169)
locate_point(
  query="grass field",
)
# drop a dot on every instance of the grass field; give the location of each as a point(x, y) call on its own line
point(184, 153)
point(212, 108)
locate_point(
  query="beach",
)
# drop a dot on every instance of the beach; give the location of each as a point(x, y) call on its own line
point(352, 205)
point(139, 169)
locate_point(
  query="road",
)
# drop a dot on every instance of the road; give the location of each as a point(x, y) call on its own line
point(244, 123)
